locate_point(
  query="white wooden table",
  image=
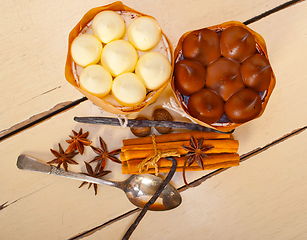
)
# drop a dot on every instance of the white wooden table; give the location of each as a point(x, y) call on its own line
point(264, 198)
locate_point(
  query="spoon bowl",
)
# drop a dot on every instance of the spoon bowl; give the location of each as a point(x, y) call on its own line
point(139, 188)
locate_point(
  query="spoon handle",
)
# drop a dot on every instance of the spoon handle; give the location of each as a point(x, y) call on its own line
point(26, 162)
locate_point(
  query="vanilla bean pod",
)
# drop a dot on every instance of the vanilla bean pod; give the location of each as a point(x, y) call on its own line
point(153, 199)
point(146, 123)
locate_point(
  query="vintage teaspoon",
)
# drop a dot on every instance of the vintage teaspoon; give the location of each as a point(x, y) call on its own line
point(139, 188)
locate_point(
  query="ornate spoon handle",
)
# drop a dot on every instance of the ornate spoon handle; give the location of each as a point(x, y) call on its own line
point(26, 162)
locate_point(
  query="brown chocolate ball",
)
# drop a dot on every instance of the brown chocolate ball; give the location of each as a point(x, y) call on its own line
point(243, 106)
point(190, 76)
point(256, 72)
point(202, 46)
point(237, 43)
point(206, 105)
point(224, 77)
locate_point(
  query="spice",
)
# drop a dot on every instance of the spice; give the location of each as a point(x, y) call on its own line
point(215, 161)
point(78, 141)
point(222, 154)
point(145, 123)
point(95, 174)
point(141, 131)
point(196, 153)
point(146, 150)
point(160, 114)
point(174, 137)
point(103, 155)
point(63, 157)
point(152, 160)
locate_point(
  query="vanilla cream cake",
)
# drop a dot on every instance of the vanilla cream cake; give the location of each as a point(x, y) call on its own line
point(121, 49)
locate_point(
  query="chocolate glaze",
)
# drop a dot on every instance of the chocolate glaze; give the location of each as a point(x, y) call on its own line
point(244, 58)
point(237, 43)
point(190, 76)
point(206, 105)
point(256, 72)
point(224, 77)
point(202, 46)
point(243, 106)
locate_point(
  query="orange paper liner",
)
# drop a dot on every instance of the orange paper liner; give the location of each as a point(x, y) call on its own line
point(261, 47)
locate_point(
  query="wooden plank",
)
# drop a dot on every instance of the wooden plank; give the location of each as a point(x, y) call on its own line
point(39, 206)
point(277, 124)
point(267, 203)
point(49, 207)
point(284, 33)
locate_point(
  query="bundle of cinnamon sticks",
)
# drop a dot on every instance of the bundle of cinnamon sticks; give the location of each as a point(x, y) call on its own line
point(222, 155)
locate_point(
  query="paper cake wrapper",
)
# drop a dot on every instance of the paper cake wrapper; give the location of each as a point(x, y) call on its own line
point(261, 47)
point(108, 103)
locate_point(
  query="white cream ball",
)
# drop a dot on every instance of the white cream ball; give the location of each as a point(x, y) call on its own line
point(86, 49)
point(154, 69)
point(144, 33)
point(96, 80)
point(128, 89)
point(119, 57)
point(108, 26)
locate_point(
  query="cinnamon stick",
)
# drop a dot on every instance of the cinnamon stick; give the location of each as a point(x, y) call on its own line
point(214, 161)
point(137, 150)
point(146, 150)
point(177, 137)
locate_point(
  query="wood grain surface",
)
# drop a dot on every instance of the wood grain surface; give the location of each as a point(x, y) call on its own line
point(263, 198)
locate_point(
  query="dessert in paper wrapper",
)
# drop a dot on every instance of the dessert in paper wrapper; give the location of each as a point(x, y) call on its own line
point(72, 70)
point(224, 124)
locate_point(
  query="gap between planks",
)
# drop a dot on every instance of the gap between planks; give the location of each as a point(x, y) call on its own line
point(36, 119)
point(271, 11)
point(7, 203)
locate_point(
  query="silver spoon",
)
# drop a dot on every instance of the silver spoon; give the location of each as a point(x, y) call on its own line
point(139, 188)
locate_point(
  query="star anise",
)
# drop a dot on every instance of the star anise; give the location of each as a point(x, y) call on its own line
point(196, 153)
point(63, 157)
point(78, 141)
point(103, 155)
point(91, 173)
